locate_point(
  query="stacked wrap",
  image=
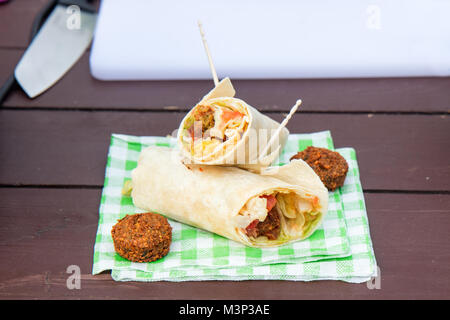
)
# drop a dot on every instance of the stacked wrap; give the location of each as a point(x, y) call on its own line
point(220, 177)
point(212, 197)
point(250, 150)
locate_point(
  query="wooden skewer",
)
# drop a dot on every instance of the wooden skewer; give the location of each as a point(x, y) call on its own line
point(281, 126)
point(205, 44)
point(216, 82)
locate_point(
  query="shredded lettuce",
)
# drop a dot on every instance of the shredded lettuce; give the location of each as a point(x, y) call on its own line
point(311, 223)
point(287, 205)
point(127, 188)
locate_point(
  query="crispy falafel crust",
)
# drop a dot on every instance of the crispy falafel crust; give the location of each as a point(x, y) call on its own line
point(142, 237)
point(270, 227)
point(205, 114)
point(329, 165)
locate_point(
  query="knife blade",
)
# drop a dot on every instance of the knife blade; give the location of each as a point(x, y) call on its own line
point(55, 49)
point(39, 19)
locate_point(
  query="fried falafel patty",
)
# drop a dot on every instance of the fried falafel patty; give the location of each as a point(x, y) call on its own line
point(329, 165)
point(213, 124)
point(142, 237)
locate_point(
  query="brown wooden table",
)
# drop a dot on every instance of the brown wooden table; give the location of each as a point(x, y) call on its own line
point(53, 155)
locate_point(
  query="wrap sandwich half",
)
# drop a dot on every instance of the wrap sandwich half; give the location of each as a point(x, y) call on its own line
point(223, 130)
point(280, 205)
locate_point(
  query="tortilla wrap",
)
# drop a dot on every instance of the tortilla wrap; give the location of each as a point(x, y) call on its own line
point(229, 200)
point(233, 132)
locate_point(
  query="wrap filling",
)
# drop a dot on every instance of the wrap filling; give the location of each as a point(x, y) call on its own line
point(278, 217)
point(214, 126)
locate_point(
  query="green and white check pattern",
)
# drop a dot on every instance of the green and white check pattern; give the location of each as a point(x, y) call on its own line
point(337, 250)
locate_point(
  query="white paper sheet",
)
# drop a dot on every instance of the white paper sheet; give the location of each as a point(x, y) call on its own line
point(147, 39)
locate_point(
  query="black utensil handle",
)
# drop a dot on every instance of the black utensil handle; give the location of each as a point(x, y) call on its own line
point(6, 87)
point(41, 17)
point(84, 5)
point(43, 14)
point(37, 24)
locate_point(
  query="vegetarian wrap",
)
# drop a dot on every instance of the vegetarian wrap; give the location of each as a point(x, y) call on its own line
point(280, 205)
point(223, 130)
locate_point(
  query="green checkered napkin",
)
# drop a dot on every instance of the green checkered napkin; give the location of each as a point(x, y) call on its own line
point(200, 255)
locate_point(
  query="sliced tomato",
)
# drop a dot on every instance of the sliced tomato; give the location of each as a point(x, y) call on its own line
point(251, 228)
point(315, 201)
point(271, 201)
point(227, 115)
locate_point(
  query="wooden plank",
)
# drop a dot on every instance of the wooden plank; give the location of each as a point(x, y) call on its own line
point(16, 18)
point(9, 59)
point(78, 89)
point(43, 231)
point(70, 148)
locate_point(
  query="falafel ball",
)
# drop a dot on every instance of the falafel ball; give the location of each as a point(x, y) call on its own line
point(142, 237)
point(329, 165)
